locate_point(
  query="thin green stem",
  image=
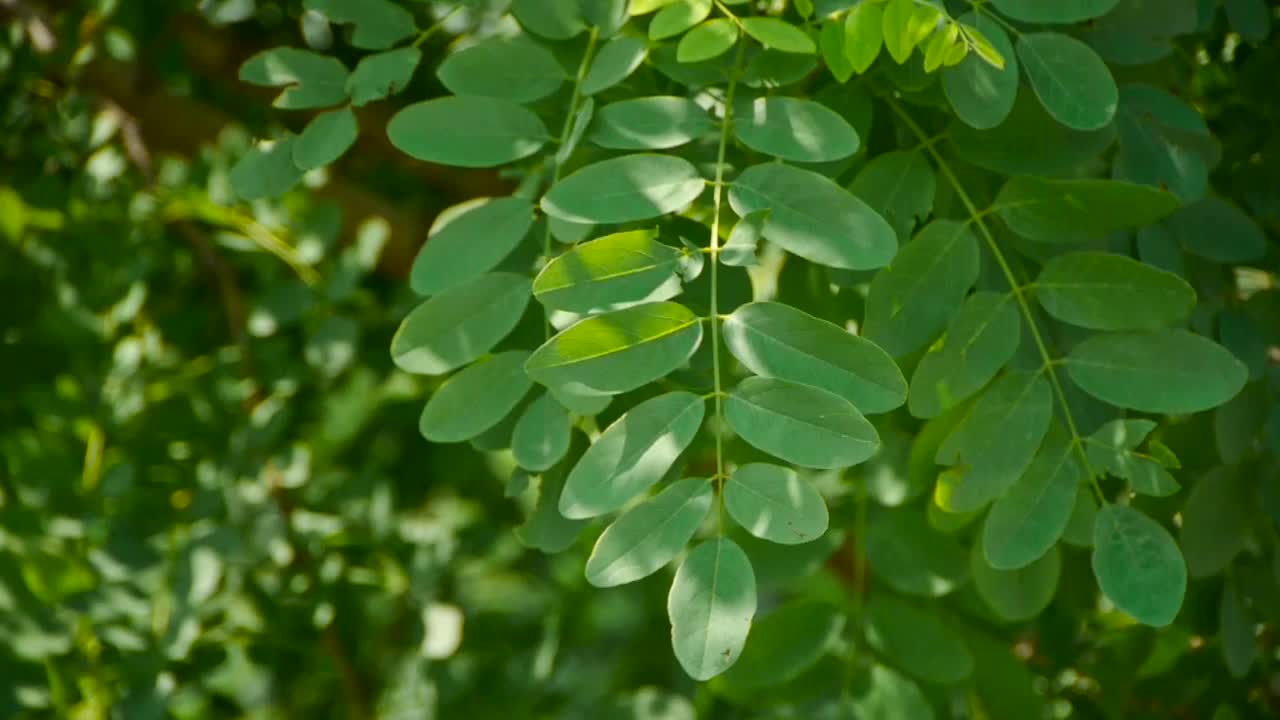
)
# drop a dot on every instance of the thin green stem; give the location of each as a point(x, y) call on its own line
point(979, 8)
point(1016, 288)
point(726, 124)
point(564, 138)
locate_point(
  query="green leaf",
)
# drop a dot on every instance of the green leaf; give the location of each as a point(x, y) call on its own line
point(794, 129)
point(1218, 231)
point(267, 170)
point(708, 40)
point(632, 454)
point(1028, 142)
point(648, 536)
point(1239, 644)
point(1163, 371)
point(460, 324)
point(618, 351)
point(1102, 291)
point(800, 424)
point(1019, 594)
point(1079, 530)
point(621, 268)
point(995, 443)
point(1025, 522)
point(883, 694)
point(776, 340)
point(1039, 11)
point(546, 529)
point(468, 240)
point(900, 186)
point(1138, 566)
point(311, 80)
point(712, 602)
point(382, 75)
point(1216, 523)
point(615, 63)
point(912, 557)
point(1006, 685)
point(551, 19)
point(650, 123)
point(1112, 449)
point(831, 47)
point(541, 436)
point(677, 17)
point(740, 249)
point(625, 189)
point(467, 131)
point(379, 24)
point(916, 640)
point(863, 35)
point(1072, 82)
point(980, 339)
point(784, 644)
point(1164, 142)
point(774, 503)
point(779, 35)
point(607, 16)
point(325, 139)
point(475, 399)
point(814, 218)
point(1072, 211)
point(911, 300)
point(896, 29)
point(515, 70)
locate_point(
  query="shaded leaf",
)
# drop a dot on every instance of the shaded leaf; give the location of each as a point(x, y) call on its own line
point(618, 351)
point(1102, 291)
point(467, 131)
point(1072, 82)
point(475, 399)
point(916, 640)
point(467, 240)
point(460, 324)
point(794, 129)
point(774, 503)
point(1138, 565)
point(980, 339)
point(649, 123)
point(711, 604)
point(912, 557)
point(1071, 211)
point(632, 454)
point(625, 189)
point(800, 424)
point(515, 70)
point(650, 535)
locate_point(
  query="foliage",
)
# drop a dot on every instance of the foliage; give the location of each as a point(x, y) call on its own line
point(904, 358)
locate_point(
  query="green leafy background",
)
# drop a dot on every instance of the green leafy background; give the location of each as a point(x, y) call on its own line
point(639, 359)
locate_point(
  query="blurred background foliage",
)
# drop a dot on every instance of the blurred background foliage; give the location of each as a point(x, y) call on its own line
point(214, 501)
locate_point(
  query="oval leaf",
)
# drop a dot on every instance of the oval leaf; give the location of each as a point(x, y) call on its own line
point(648, 536)
point(1164, 371)
point(460, 324)
point(981, 94)
point(1071, 211)
point(632, 454)
point(1138, 565)
point(995, 442)
point(621, 268)
point(325, 139)
point(779, 341)
point(625, 189)
point(800, 424)
point(795, 129)
point(712, 601)
point(912, 557)
point(774, 503)
point(981, 338)
point(515, 70)
point(618, 351)
point(650, 123)
point(615, 63)
point(911, 300)
point(1039, 11)
point(467, 240)
point(814, 218)
point(475, 399)
point(1072, 82)
point(1102, 291)
point(779, 35)
point(467, 131)
point(1017, 594)
point(541, 435)
point(1028, 519)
